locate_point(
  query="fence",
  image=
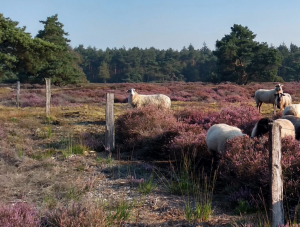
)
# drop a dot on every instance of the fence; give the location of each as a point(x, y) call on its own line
point(276, 183)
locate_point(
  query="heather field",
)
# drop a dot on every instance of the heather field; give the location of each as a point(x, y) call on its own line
point(56, 171)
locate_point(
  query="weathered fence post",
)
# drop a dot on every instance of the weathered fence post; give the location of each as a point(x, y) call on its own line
point(48, 96)
point(109, 125)
point(276, 183)
point(18, 94)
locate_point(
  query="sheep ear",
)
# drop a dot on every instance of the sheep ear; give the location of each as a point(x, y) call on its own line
point(282, 94)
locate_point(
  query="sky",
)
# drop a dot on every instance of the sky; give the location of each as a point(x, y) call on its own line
point(161, 24)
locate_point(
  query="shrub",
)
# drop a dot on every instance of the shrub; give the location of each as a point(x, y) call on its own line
point(18, 215)
point(32, 100)
point(92, 141)
point(190, 139)
point(247, 161)
point(144, 124)
point(76, 215)
point(242, 116)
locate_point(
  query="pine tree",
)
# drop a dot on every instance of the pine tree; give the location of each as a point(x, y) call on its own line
point(104, 72)
point(19, 53)
point(63, 68)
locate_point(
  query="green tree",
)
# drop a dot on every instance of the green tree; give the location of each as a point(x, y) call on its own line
point(264, 65)
point(63, 67)
point(19, 53)
point(104, 72)
point(290, 68)
point(241, 59)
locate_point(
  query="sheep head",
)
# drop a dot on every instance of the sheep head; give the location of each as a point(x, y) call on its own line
point(278, 88)
point(263, 126)
point(132, 91)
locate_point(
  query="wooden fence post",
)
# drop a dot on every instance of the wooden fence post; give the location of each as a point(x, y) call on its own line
point(276, 183)
point(109, 122)
point(18, 94)
point(48, 96)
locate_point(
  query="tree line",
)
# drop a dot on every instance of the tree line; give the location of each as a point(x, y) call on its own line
point(237, 58)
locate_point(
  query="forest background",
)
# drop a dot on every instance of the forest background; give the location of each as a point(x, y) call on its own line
point(237, 58)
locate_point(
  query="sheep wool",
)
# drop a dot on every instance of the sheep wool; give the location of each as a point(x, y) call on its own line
point(136, 100)
point(283, 100)
point(293, 109)
point(218, 134)
point(262, 127)
point(296, 122)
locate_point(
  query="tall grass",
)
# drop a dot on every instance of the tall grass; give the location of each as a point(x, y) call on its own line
point(196, 185)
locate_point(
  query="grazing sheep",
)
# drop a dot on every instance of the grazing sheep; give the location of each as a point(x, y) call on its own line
point(283, 100)
point(293, 109)
point(296, 122)
point(262, 127)
point(218, 134)
point(159, 100)
point(267, 96)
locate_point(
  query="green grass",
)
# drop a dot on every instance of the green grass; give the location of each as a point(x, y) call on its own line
point(147, 186)
point(198, 186)
point(120, 213)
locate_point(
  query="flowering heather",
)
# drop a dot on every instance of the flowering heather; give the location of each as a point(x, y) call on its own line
point(32, 100)
point(140, 126)
point(191, 139)
point(179, 98)
point(242, 116)
point(18, 215)
point(146, 123)
point(247, 161)
point(76, 215)
point(120, 98)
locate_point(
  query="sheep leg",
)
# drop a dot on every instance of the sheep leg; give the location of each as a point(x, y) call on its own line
point(274, 107)
point(258, 105)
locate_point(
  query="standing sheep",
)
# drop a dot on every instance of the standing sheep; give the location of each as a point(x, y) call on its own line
point(262, 127)
point(159, 100)
point(283, 100)
point(267, 96)
point(293, 109)
point(218, 134)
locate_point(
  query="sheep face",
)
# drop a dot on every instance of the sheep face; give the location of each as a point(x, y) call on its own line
point(263, 126)
point(131, 91)
point(278, 88)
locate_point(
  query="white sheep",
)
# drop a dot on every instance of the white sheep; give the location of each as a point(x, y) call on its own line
point(218, 134)
point(283, 100)
point(296, 122)
point(137, 100)
point(293, 109)
point(262, 127)
point(267, 96)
